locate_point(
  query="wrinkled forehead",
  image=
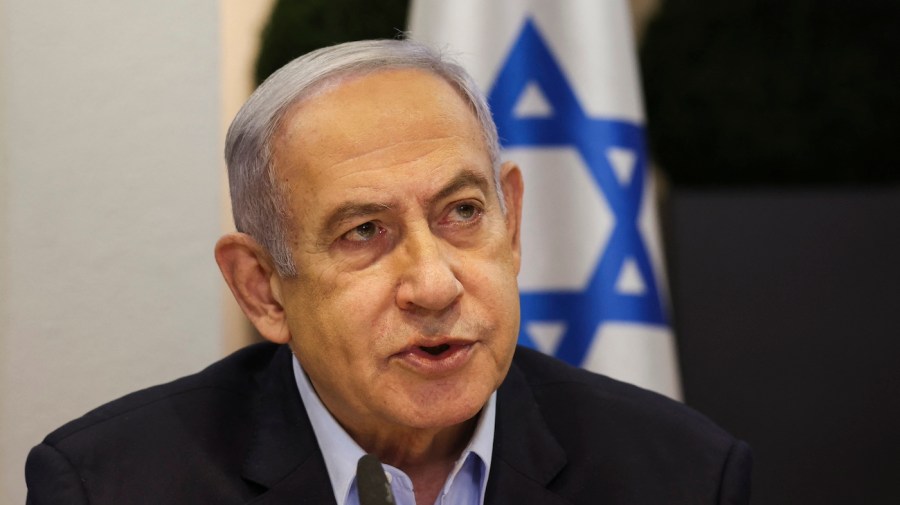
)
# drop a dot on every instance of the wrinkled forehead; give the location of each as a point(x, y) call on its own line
point(358, 113)
point(349, 76)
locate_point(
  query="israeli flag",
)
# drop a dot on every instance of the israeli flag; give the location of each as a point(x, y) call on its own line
point(562, 82)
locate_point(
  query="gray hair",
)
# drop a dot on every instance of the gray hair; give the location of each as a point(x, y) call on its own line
point(259, 203)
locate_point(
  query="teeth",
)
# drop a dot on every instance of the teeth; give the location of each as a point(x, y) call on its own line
point(434, 351)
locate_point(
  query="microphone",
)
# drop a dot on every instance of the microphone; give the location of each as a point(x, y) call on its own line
point(371, 482)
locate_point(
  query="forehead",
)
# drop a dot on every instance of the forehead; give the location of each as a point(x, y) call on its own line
point(358, 115)
point(371, 128)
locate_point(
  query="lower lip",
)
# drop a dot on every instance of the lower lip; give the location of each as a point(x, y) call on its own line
point(445, 363)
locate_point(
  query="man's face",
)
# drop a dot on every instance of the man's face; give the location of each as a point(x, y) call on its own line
point(405, 311)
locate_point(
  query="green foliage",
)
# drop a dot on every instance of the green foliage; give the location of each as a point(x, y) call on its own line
point(299, 26)
point(746, 92)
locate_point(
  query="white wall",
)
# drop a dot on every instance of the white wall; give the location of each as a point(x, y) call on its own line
point(109, 207)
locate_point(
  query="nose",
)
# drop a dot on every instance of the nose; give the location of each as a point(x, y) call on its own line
point(427, 280)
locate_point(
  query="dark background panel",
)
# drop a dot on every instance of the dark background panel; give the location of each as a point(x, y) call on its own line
point(786, 306)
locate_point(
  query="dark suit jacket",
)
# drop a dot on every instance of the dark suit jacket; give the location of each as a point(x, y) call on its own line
point(237, 432)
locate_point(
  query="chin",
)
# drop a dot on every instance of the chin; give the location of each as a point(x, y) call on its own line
point(447, 411)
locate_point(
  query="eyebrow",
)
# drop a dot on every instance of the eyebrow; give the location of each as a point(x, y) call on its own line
point(465, 179)
point(353, 210)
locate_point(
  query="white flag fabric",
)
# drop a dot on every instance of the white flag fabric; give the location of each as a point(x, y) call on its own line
point(562, 82)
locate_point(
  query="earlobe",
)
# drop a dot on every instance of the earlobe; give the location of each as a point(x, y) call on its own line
point(254, 283)
point(513, 191)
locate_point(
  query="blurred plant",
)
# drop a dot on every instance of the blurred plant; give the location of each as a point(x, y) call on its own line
point(299, 26)
point(749, 92)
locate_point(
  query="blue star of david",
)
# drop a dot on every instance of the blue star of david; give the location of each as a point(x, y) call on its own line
point(531, 61)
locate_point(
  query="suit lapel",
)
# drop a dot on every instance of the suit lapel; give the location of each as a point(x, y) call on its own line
point(284, 457)
point(526, 455)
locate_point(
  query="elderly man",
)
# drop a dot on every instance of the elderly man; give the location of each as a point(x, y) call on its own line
point(378, 252)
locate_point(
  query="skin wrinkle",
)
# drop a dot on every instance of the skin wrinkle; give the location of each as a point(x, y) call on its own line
point(350, 211)
point(375, 152)
point(364, 211)
point(284, 135)
point(292, 188)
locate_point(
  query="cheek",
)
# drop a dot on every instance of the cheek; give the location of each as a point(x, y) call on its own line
point(494, 274)
point(492, 285)
point(363, 294)
point(349, 313)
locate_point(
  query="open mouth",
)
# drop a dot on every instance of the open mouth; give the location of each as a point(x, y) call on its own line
point(437, 360)
point(435, 350)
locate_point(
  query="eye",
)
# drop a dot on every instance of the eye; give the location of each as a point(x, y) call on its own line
point(464, 212)
point(364, 232)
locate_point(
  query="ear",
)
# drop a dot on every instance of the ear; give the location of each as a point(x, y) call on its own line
point(255, 284)
point(513, 190)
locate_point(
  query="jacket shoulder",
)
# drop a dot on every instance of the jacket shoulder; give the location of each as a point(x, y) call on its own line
point(187, 438)
point(630, 445)
point(234, 374)
point(556, 384)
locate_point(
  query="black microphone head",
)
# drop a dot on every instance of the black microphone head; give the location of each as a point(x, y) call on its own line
point(371, 482)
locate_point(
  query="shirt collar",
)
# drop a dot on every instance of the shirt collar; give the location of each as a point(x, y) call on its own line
point(341, 452)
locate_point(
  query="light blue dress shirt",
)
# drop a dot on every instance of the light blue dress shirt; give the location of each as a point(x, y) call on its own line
point(465, 485)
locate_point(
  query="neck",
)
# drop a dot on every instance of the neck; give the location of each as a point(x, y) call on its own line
point(426, 456)
point(414, 448)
